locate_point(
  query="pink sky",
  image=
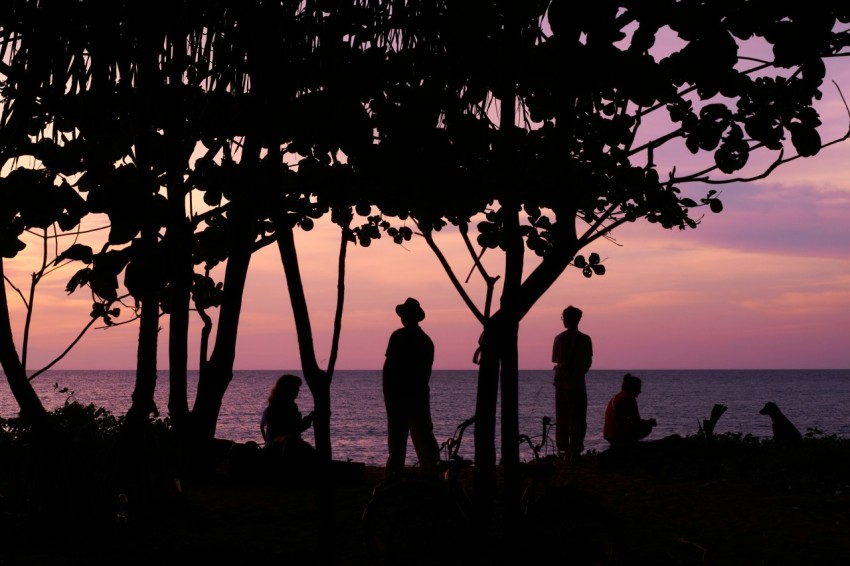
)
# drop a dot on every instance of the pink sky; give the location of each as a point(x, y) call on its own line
point(764, 285)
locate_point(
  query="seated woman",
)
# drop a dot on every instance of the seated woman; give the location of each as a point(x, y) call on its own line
point(623, 424)
point(282, 424)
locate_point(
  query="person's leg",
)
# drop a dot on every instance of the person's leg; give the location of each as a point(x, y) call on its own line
point(562, 426)
point(422, 435)
point(578, 422)
point(397, 432)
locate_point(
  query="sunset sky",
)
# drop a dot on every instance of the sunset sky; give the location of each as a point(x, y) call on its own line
point(764, 285)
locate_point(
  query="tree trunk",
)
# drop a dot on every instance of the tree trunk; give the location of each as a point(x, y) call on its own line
point(485, 420)
point(143, 393)
point(215, 375)
point(31, 409)
point(178, 239)
point(508, 350)
point(498, 347)
point(317, 380)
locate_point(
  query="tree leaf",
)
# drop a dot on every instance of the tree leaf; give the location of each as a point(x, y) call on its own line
point(77, 252)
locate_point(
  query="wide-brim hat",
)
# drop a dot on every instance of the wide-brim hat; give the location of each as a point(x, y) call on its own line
point(410, 308)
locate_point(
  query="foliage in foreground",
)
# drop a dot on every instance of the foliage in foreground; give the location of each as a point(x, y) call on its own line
point(82, 450)
point(71, 470)
point(819, 466)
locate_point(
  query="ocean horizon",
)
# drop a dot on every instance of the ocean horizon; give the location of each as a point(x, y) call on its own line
point(816, 401)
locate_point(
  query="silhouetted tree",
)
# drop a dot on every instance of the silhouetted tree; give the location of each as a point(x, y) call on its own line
point(41, 71)
point(305, 125)
point(323, 124)
point(548, 117)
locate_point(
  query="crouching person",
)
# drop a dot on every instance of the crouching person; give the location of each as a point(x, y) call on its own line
point(623, 424)
point(624, 429)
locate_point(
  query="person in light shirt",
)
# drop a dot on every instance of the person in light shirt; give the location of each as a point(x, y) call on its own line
point(572, 354)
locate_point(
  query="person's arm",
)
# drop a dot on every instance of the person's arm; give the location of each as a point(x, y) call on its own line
point(628, 409)
point(391, 343)
point(390, 355)
point(634, 415)
point(307, 421)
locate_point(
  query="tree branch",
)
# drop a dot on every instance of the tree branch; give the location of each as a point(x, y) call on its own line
point(448, 269)
point(79, 337)
point(340, 296)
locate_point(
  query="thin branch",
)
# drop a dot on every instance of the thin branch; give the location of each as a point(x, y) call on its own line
point(448, 269)
point(203, 216)
point(68, 349)
point(489, 281)
point(56, 267)
point(36, 277)
point(588, 235)
point(76, 233)
point(657, 142)
point(264, 241)
point(476, 257)
point(206, 331)
point(18, 291)
point(779, 161)
point(692, 88)
point(122, 323)
point(340, 297)
point(605, 232)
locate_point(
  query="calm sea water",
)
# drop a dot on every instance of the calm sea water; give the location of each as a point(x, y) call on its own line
point(678, 400)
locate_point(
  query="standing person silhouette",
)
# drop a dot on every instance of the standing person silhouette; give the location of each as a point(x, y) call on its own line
point(572, 353)
point(407, 393)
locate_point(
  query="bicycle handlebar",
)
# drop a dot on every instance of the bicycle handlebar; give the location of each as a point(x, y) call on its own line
point(452, 444)
point(544, 438)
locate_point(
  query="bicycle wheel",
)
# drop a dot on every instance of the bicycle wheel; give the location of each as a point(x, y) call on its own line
point(578, 527)
point(413, 521)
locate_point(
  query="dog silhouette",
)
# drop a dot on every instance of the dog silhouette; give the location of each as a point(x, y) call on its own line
point(784, 431)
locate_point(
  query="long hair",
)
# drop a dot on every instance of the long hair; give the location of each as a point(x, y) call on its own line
point(285, 389)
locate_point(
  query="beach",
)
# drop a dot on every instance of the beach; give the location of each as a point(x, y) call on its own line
point(730, 501)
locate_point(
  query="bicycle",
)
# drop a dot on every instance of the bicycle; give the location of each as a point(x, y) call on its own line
point(540, 470)
point(577, 523)
point(415, 519)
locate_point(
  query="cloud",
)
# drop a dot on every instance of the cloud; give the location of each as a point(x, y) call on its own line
point(805, 221)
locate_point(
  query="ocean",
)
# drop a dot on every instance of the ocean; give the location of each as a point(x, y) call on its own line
point(677, 399)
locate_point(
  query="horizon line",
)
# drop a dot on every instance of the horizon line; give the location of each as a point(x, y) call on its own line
point(378, 369)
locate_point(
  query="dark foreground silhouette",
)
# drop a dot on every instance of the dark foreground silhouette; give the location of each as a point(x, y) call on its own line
point(727, 500)
point(784, 431)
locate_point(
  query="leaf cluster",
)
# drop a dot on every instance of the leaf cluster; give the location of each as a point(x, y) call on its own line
point(439, 112)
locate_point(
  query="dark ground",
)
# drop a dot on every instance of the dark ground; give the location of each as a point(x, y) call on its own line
point(727, 501)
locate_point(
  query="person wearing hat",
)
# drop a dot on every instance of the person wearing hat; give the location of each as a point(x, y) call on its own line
point(407, 394)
